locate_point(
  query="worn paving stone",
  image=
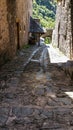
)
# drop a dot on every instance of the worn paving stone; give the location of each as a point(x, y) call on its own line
point(4, 113)
point(51, 125)
point(22, 111)
point(4, 128)
point(10, 95)
point(13, 82)
point(65, 101)
point(47, 113)
point(23, 121)
point(39, 91)
point(33, 100)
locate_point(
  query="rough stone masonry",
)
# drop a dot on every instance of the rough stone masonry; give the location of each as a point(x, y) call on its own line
point(14, 26)
point(63, 32)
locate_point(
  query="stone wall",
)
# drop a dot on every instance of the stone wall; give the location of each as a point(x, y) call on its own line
point(24, 9)
point(4, 32)
point(14, 26)
point(62, 34)
point(11, 20)
point(72, 27)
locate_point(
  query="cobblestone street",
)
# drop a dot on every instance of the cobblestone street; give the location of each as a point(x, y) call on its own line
point(31, 99)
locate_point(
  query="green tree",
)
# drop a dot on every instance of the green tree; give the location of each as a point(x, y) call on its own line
point(45, 10)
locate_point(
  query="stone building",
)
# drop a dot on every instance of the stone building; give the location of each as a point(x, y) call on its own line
point(14, 26)
point(63, 32)
point(35, 31)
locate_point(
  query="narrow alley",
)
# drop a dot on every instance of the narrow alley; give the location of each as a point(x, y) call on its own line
point(31, 99)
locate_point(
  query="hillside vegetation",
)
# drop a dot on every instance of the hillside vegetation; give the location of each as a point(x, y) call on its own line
point(45, 10)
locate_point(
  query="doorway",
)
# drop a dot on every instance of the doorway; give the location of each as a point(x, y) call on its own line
point(58, 34)
point(18, 41)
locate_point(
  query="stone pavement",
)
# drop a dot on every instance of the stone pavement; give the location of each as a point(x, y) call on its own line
point(33, 100)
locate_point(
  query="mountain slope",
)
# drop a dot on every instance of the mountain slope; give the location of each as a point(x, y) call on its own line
point(45, 10)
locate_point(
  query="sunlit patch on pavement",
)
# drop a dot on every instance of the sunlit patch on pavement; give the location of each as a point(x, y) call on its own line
point(70, 94)
point(56, 56)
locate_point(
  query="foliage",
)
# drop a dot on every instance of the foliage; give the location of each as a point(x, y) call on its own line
point(45, 10)
point(26, 46)
point(47, 40)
